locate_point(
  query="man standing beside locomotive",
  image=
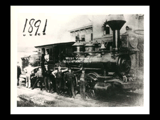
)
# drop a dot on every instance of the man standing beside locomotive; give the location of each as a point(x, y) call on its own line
point(42, 61)
point(69, 77)
point(42, 70)
point(58, 74)
point(83, 85)
point(46, 58)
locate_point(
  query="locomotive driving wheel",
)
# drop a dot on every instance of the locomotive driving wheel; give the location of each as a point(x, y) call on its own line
point(90, 93)
point(123, 64)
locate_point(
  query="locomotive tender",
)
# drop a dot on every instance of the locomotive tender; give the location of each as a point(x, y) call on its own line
point(107, 64)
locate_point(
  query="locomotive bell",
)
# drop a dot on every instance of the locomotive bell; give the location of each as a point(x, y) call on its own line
point(116, 22)
point(102, 47)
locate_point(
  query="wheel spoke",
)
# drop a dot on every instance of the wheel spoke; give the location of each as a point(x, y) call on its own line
point(124, 64)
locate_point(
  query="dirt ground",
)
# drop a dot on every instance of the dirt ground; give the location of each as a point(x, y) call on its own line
point(36, 98)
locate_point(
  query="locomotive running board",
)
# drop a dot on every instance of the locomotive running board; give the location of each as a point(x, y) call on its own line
point(127, 85)
point(114, 80)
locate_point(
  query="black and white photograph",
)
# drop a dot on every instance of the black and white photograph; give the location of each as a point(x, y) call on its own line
point(79, 59)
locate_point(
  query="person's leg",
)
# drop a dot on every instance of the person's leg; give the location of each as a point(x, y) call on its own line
point(57, 85)
point(72, 89)
point(37, 80)
point(69, 88)
point(64, 84)
point(29, 82)
point(84, 89)
point(81, 89)
point(27, 78)
point(41, 80)
point(60, 85)
point(49, 83)
point(68, 91)
point(32, 81)
point(46, 83)
point(54, 83)
point(52, 79)
point(17, 80)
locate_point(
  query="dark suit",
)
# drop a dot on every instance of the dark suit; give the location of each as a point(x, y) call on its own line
point(69, 77)
point(42, 64)
point(18, 74)
point(50, 82)
point(46, 76)
point(83, 86)
point(59, 76)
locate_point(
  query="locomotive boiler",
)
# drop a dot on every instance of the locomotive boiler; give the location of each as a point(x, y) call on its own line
point(107, 64)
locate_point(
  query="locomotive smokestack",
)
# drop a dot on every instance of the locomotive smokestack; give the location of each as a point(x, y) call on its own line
point(116, 22)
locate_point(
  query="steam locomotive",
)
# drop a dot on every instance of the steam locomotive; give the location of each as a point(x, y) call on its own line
point(107, 64)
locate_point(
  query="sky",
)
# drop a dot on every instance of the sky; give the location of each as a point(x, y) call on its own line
point(57, 29)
